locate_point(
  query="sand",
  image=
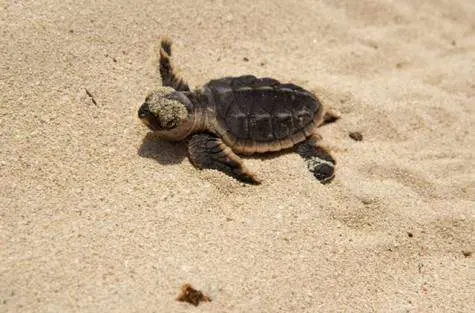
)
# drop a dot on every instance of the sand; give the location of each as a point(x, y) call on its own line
point(97, 217)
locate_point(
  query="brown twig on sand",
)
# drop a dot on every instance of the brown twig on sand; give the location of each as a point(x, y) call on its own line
point(91, 96)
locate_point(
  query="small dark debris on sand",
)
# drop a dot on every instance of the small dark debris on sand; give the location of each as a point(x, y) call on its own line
point(409, 234)
point(467, 253)
point(192, 296)
point(245, 59)
point(357, 136)
point(111, 57)
point(91, 96)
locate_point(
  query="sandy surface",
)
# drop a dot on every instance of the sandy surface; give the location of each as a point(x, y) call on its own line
point(93, 219)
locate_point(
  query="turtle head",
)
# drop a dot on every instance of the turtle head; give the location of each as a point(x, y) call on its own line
point(167, 113)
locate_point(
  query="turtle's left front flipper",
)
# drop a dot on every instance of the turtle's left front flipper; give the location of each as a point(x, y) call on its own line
point(208, 151)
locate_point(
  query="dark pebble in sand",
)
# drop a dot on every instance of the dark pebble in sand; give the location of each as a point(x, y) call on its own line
point(357, 136)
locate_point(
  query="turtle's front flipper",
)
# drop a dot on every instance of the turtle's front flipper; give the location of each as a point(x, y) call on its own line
point(319, 160)
point(208, 151)
point(169, 77)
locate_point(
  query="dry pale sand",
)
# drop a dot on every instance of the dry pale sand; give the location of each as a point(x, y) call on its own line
point(94, 219)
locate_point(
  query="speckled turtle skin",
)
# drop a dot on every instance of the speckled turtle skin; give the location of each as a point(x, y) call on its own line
point(240, 115)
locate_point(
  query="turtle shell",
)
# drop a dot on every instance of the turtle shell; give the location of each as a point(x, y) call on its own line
point(262, 114)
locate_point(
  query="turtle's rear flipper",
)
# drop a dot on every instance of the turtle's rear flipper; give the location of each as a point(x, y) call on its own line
point(208, 151)
point(167, 72)
point(330, 116)
point(319, 160)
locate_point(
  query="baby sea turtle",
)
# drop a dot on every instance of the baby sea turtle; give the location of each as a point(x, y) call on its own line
point(237, 115)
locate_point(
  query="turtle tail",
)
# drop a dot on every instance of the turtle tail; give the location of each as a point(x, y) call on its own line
point(167, 72)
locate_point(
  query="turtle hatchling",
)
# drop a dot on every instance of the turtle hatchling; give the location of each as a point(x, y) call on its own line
point(234, 116)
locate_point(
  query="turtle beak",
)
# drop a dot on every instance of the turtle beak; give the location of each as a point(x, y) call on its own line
point(147, 117)
point(144, 112)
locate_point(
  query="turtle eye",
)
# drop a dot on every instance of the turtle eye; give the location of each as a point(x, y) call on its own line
point(170, 125)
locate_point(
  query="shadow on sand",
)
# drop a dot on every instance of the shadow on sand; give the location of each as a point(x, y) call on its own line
point(164, 152)
point(168, 153)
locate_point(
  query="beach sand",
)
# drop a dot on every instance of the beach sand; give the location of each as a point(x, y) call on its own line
point(96, 217)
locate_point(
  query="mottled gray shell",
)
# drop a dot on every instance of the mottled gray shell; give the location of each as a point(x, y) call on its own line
point(261, 114)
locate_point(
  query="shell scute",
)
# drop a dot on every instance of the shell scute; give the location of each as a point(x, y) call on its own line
point(283, 125)
point(261, 127)
point(243, 81)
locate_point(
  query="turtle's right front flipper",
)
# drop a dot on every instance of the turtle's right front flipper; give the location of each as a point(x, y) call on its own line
point(208, 151)
point(167, 72)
